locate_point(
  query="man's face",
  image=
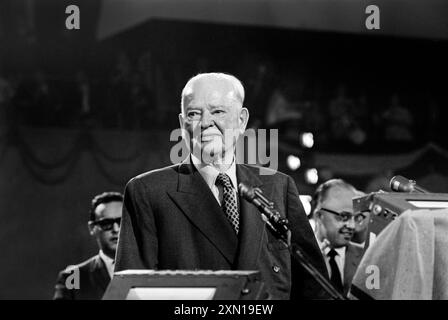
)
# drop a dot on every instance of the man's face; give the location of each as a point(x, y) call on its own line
point(213, 117)
point(338, 229)
point(107, 226)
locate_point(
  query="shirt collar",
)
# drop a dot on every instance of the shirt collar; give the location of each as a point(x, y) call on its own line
point(340, 251)
point(108, 261)
point(210, 173)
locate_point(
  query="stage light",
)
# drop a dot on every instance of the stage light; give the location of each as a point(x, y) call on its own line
point(311, 176)
point(293, 162)
point(307, 140)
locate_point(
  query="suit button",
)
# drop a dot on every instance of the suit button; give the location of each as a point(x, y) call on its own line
point(275, 268)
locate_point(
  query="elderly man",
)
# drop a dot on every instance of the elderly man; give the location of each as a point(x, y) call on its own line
point(335, 225)
point(89, 279)
point(190, 216)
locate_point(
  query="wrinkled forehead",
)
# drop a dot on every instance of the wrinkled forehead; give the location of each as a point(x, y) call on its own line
point(210, 92)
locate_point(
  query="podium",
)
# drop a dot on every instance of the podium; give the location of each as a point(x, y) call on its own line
point(186, 285)
point(408, 260)
point(386, 207)
point(408, 257)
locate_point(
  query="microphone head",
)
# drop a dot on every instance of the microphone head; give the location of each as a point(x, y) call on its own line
point(401, 184)
point(246, 191)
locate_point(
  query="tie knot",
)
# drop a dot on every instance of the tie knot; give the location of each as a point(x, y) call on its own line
point(224, 180)
point(332, 253)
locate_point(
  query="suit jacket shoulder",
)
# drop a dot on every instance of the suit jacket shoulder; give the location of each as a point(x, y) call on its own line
point(266, 175)
point(86, 280)
point(155, 178)
point(164, 175)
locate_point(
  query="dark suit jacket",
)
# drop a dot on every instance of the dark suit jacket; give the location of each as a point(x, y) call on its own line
point(353, 256)
point(171, 220)
point(93, 281)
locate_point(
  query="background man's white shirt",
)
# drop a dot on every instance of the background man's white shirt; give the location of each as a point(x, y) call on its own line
point(339, 258)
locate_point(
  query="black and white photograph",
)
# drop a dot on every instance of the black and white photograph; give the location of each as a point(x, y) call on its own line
point(234, 150)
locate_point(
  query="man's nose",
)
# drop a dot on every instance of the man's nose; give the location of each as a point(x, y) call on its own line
point(350, 223)
point(207, 119)
point(116, 227)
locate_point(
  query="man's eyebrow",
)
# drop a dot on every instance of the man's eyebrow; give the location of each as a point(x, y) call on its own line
point(192, 107)
point(219, 106)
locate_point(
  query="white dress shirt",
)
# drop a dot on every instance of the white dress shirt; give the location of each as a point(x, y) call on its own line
point(339, 258)
point(210, 173)
point(109, 262)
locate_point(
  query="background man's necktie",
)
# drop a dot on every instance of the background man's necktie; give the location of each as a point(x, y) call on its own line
point(229, 201)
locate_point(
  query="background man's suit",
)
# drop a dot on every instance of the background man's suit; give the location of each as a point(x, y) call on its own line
point(93, 281)
point(353, 256)
point(171, 220)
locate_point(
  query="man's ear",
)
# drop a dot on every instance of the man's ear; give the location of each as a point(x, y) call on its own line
point(92, 229)
point(243, 119)
point(181, 120)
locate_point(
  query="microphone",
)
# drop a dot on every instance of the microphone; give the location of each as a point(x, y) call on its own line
point(402, 184)
point(275, 221)
point(280, 228)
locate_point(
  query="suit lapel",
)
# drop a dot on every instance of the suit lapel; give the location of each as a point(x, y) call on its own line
point(251, 224)
point(352, 259)
point(196, 201)
point(100, 273)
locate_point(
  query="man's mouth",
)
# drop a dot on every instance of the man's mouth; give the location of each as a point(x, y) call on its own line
point(209, 137)
point(347, 234)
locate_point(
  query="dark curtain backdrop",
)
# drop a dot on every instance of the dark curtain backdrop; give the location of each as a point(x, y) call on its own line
point(44, 201)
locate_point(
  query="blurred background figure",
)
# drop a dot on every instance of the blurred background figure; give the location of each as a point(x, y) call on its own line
point(89, 279)
point(335, 225)
point(398, 121)
point(340, 110)
point(283, 104)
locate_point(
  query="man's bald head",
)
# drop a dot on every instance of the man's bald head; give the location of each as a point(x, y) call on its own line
point(210, 81)
point(333, 190)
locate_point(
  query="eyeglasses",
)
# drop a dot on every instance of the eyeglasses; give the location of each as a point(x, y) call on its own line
point(345, 216)
point(106, 224)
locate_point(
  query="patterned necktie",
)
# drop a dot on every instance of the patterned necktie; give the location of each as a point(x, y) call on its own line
point(229, 201)
point(335, 273)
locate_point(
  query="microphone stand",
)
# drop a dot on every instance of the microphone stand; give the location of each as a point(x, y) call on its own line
point(280, 228)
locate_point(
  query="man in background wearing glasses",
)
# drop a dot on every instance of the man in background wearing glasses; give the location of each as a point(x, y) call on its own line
point(89, 279)
point(335, 225)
